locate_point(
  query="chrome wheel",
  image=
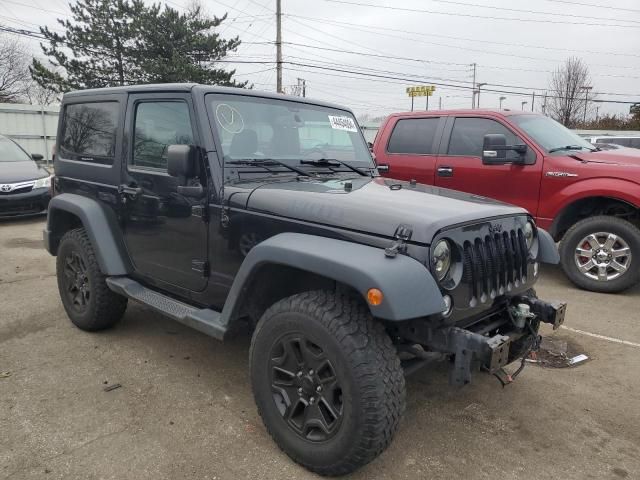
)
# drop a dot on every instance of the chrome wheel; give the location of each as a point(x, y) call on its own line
point(603, 256)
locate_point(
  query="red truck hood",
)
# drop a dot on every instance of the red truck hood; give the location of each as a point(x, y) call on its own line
point(622, 156)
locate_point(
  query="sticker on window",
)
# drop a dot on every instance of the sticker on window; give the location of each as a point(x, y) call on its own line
point(343, 123)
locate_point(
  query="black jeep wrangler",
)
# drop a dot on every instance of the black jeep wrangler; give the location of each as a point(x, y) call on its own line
point(223, 207)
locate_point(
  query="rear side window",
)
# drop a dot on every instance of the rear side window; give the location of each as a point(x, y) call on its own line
point(158, 125)
point(89, 131)
point(468, 134)
point(414, 136)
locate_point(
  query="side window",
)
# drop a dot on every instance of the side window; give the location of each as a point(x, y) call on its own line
point(414, 135)
point(158, 125)
point(468, 134)
point(89, 131)
point(635, 143)
point(625, 142)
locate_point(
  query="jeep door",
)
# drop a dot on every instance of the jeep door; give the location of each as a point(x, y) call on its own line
point(165, 231)
point(460, 167)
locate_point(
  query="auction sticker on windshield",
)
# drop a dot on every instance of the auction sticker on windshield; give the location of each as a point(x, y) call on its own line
point(343, 123)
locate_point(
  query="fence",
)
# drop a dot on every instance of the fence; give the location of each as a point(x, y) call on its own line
point(34, 127)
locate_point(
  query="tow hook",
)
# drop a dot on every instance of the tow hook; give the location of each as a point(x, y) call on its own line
point(548, 312)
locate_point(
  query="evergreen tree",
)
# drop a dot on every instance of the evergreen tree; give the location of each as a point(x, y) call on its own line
point(177, 47)
point(124, 42)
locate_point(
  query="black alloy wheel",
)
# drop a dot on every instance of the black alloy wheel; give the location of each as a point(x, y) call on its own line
point(306, 389)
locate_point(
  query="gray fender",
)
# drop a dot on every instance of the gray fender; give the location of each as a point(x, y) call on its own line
point(409, 289)
point(101, 226)
point(547, 250)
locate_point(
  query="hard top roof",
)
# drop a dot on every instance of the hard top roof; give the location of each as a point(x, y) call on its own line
point(188, 87)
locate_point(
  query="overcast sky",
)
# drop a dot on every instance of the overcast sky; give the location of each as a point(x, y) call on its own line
point(514, 46)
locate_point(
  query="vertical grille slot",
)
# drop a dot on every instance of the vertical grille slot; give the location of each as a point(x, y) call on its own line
point(495, 264)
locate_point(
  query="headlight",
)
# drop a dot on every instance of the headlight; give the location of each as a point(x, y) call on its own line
point(441, 259)
point(528, 235)
point(43, 182)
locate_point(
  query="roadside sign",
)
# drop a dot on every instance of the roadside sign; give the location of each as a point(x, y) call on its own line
point(421, 91)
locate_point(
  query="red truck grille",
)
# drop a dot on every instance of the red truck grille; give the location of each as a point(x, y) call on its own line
point(495, 264)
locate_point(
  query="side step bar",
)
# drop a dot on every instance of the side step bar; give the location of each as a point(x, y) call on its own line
point(204, 320)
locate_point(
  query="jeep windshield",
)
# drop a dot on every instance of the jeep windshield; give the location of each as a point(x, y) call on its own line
point(305, 136)
point(549, 134)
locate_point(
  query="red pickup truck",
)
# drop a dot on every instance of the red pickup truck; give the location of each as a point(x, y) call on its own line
point(588, 199)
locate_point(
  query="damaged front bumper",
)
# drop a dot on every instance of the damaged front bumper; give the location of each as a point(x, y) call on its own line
point(491, 342)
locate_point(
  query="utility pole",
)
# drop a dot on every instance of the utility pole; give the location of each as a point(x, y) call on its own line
point(586, 101)
point(473, 94)
point(478, 97)
point(544, 104)
point(427, 103)
point(439, 103)
point(302, 87)
point(279, 46)
point(533, 100)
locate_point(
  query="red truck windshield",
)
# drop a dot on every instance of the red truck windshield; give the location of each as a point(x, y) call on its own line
point(550, 134)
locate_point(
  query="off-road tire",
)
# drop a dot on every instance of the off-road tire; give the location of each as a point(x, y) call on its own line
point(601, 223)
point(103, 308)
point(366, 364)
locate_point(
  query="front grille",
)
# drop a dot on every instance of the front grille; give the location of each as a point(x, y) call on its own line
point(25, 189)
point(495, 264)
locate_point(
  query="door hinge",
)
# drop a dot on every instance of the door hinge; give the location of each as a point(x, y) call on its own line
point(399, 245)
point(200, 266)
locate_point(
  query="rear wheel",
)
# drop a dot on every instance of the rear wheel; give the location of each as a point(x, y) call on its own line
point(327, 381)
point(85, 296)
point(602, 254)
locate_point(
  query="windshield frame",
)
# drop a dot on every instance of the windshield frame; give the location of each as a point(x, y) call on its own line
point(572, 139)
point(19, 148)
point(210, 98)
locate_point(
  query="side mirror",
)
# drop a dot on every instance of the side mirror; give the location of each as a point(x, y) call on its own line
point(182, 161)
point(37, 157)
point(370, 145)
point(495, 148)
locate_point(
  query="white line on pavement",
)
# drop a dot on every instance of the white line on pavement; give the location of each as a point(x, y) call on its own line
point(602, 337)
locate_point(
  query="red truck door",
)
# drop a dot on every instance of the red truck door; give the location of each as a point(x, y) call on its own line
point(460, 166)
point(409, 147)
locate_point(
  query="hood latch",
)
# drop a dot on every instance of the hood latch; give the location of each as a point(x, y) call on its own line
point(399, 245)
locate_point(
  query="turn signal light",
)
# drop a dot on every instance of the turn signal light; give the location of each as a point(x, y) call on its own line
point(374, 297)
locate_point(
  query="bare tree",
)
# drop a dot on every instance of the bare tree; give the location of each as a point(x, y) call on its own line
point(36, 94)
point(14, 69)
point(570, 88)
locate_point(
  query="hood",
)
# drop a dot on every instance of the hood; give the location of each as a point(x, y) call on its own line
point(13, 172)
point(375, 205)
point(619, 156)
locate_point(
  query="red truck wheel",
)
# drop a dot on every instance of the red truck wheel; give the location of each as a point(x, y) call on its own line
point(602, 254)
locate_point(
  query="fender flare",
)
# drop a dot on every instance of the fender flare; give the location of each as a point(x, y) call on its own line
point(547, 250)
point(409, 289)
point(99, 222)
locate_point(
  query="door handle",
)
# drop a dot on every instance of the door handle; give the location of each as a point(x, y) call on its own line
point(445, 171)
point(131, 190)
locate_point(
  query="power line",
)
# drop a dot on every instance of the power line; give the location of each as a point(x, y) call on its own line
point(380, 31)
point(511, 19)
point(608, 7)
point(535, 12)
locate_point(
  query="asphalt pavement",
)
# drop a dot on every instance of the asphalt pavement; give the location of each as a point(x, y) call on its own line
point(184, 407)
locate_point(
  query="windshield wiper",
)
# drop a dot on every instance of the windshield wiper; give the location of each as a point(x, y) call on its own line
point(266, 162)
point(332, 162)
point(568, 147)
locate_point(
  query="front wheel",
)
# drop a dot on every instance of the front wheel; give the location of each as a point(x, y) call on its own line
point(327, 381)
point(602, 254)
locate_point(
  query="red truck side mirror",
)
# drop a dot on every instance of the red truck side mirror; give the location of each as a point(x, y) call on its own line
point(495, 148)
